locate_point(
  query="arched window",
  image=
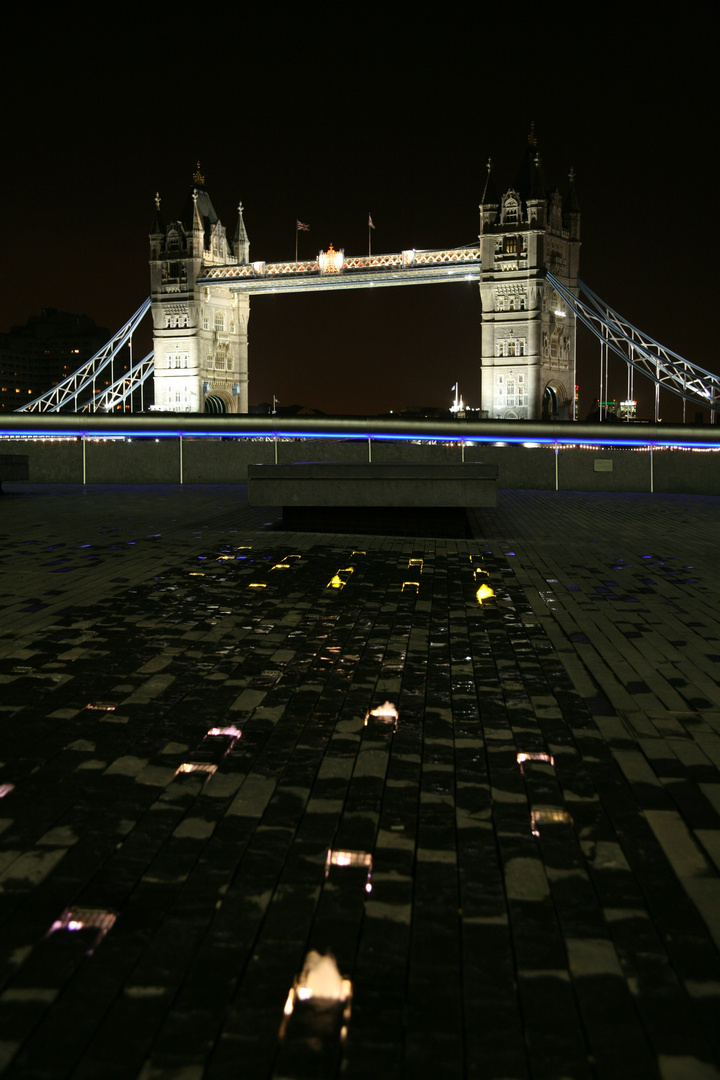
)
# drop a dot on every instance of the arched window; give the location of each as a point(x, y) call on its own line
point(511, 212)
point(219, 321)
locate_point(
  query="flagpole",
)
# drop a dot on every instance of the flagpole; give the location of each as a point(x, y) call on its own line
point(369, 238)
point(296, 238)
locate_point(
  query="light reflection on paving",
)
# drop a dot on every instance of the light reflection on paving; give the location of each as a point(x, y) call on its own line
point(542, 816)
point(351, 859)
point(522, 758)
point(196, 767)
point(78, 918)
point(318, 1008)
point(386, 713)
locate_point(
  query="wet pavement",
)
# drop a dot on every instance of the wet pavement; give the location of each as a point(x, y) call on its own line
point(223, 746)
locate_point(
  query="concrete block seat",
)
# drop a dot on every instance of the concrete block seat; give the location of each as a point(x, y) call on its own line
point(384, 497)
point(14, 467)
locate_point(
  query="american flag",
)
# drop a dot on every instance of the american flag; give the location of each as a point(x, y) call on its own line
point(370, 222)
point(301, 227)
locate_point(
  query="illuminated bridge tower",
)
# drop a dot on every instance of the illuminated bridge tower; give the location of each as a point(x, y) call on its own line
point(199, 332)
point(528, 337)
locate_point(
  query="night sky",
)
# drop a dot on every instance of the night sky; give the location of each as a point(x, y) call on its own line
point(332, 113)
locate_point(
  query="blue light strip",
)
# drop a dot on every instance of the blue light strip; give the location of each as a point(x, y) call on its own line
point(118, 430)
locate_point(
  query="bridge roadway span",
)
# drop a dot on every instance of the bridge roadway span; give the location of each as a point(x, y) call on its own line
point(333, 270)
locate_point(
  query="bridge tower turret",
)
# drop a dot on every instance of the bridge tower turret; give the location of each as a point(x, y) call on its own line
point(199, 332)
point(528, 335)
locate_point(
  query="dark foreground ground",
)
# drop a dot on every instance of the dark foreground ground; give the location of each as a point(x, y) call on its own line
point(161, 880)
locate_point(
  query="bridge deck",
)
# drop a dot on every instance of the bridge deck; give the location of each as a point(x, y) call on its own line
point(351, 272)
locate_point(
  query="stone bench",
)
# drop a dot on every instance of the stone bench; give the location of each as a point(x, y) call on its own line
point(400, 497)
point(14, 467)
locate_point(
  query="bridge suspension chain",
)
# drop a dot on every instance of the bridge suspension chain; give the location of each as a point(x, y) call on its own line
point(123, 388)
point(74, 389)
point(661, 365)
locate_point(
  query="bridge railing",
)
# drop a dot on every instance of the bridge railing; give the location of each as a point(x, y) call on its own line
point(497, 433)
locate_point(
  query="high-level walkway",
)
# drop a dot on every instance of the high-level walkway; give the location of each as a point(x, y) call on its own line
point(183, 741)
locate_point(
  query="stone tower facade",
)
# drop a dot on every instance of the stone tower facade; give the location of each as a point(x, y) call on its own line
point(528, 336)
point(200, 333)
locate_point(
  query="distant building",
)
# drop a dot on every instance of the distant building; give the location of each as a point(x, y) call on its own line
point(528, 336)
point(43, 352)
point(199, 331)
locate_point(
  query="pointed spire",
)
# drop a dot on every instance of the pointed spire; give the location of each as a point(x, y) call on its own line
point(158, 225)
point(571, 201)
point(242, 243)
point(536, 189)
point(530, 179)
point(489, 195)
point(571, 209)
point(197, 222)
point(198, 177)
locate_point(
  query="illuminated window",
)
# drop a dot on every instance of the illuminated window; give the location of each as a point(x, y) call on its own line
point(510, 390)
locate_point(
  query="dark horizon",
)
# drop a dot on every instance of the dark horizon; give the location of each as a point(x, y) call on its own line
point(399, 126)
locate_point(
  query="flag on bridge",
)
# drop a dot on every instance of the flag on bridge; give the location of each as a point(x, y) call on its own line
point(371, 225)
point(300, 226)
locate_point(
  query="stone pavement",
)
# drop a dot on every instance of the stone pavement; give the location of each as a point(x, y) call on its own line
point(519, 876)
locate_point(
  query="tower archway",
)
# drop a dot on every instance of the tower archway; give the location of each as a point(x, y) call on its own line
point(555, 401)
point(215, 404)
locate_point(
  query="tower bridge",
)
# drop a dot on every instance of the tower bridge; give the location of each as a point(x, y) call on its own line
point(525, 262)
